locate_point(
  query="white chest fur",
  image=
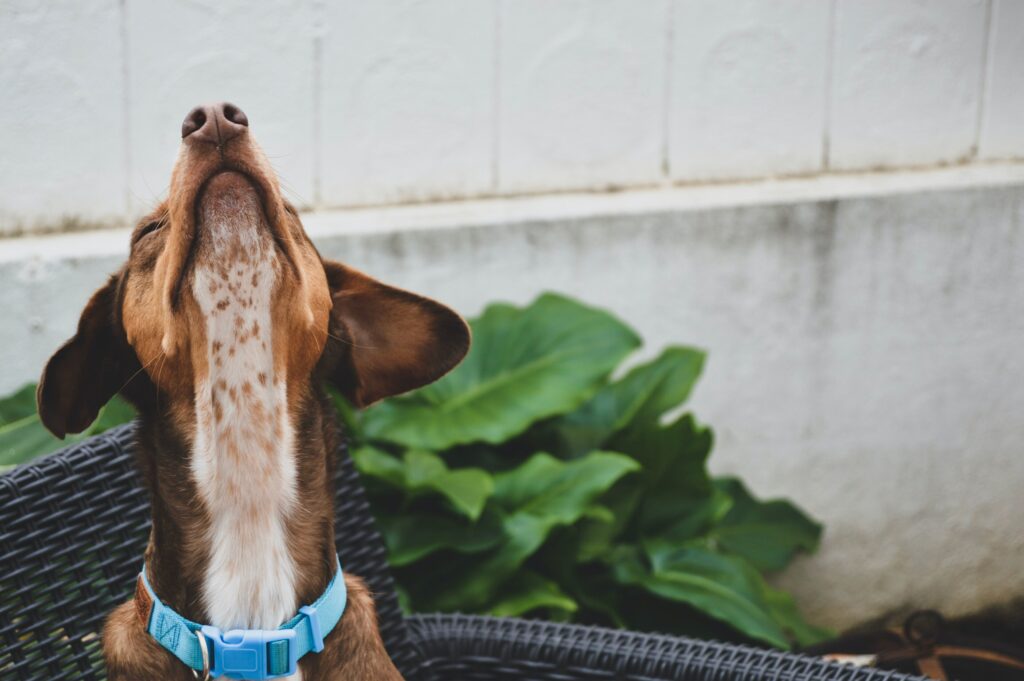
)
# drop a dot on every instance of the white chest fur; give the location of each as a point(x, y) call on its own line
point(243, 463)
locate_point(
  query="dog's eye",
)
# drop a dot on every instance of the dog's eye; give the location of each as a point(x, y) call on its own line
point(148, 229)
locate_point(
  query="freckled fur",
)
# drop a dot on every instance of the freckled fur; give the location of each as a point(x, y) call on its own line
point(244, 474)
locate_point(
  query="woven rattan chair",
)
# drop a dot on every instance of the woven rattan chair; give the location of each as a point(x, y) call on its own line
point(73, 526)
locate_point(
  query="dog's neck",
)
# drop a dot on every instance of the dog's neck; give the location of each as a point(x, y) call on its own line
point(243, 458)
point(253, 482)
point(195, 548)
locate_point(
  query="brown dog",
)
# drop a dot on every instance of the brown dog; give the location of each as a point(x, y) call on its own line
point(219, 329)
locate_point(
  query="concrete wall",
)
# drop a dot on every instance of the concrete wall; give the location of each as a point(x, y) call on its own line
point(399, 100)
point(865, 336)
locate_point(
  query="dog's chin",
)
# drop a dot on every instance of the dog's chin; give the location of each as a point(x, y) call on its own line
point(227, 181)
point(229, 201)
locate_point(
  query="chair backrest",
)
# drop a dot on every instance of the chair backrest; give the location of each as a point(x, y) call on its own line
point(73, 527)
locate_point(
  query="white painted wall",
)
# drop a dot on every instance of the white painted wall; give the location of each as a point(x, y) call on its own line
point(414, 100)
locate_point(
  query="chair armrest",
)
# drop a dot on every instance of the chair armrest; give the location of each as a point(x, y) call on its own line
point(476, 647)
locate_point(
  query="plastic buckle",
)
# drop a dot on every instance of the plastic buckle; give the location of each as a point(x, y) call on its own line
point(247, 653)
point(314, 627)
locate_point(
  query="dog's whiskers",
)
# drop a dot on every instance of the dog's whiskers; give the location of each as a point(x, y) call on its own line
point(345, 341)
point(159, 373)
point(141, 369)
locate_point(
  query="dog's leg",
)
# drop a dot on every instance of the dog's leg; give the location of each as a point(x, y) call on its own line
point(354, 651)
point(131, 653)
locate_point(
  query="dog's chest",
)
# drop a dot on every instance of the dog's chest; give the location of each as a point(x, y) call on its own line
point(243, 463)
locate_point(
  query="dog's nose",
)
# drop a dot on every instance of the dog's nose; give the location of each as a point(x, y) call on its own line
point(214, 123)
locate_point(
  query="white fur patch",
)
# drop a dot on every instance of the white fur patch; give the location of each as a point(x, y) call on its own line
point(244, 462)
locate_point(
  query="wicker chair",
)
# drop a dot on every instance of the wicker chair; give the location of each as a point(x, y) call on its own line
point(73, 527)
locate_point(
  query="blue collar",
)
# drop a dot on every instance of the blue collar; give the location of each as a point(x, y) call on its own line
point(247, 653)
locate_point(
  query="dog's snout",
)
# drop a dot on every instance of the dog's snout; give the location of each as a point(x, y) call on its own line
point(214, 123)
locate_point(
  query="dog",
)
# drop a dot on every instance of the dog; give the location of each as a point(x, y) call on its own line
point(220, 329)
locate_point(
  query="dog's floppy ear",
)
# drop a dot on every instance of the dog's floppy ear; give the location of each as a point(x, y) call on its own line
point(385, 340)
point(88, 369)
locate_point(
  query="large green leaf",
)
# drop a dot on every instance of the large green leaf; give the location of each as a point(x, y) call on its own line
point(415, 535)
point(674, 477)
point(377, 463)
point(784, 610)
point(696, 515)
point(24, 439)
point(346, 412)
point(672, 495)
point(466, 488)
point(470, 584)
point(526, 364)
point(678, 457)
point(767, 533)
point(420, 472)
point(18, 405)
point(23, 436)
point(637, 400)
point(539, 495)
point(723, 587)
point(559, 491)
point(114, 413)
point(528, 591)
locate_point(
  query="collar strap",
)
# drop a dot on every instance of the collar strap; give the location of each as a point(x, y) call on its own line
point(243, 653)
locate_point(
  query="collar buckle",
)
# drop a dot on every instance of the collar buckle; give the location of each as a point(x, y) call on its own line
point(251, 653)
point(315, 634)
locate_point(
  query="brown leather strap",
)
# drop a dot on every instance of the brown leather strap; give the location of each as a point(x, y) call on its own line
point(929, 659)
point(979, 654)
point(931, 667)
point(143, 603)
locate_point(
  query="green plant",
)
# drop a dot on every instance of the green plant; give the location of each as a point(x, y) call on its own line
point(528, 481)
point(23, 436)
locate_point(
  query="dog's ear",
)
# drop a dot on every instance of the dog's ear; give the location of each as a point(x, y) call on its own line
point(88, 369)
point(386, 341)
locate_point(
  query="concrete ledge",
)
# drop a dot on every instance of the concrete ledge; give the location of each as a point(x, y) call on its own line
point(865, 337)
point(326, 224)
